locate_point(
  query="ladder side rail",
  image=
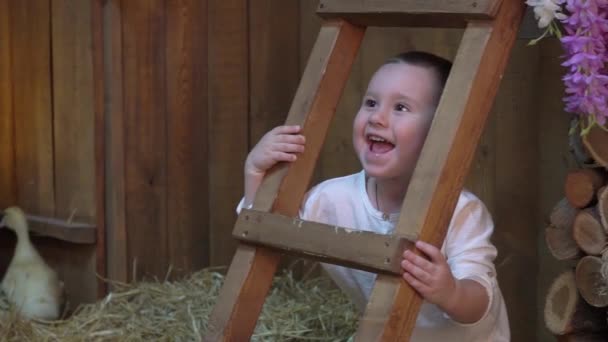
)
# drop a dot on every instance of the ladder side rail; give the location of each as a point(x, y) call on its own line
point(444, 163)
point(252, 269)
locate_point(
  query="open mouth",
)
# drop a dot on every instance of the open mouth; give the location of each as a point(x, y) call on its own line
point(378, 144)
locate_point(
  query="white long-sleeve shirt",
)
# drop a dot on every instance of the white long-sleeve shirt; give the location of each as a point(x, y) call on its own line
point(344, 202)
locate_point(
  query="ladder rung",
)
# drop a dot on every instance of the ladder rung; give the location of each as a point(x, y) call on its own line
point(359, 249)
point(428, 13)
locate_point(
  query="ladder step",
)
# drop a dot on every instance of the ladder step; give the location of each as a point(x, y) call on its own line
point(427, 13)
point(359, 249)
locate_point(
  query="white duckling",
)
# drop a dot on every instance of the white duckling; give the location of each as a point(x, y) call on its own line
point(29, 283)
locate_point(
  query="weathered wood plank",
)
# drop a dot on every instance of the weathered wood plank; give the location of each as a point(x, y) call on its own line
point(32, 104)
point(252, 269)
point(114, 136)
point(429, 13)
point(187, 201)
point(73, 118)
point(65, 230)
point(74, 138)
point(145, 123)
point(354, 248)
point(228, 116)
point(8, 186)
point(100, 145)
point(429, 204)
point(516, 216)
point(273, 63)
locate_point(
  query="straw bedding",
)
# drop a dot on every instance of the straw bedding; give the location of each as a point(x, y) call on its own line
point(305, 310)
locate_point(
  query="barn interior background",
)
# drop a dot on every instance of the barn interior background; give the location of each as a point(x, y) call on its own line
point(134, 118)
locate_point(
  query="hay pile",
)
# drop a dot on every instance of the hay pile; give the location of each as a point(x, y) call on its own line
point(178, 311)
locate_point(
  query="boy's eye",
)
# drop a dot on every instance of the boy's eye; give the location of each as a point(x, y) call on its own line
point(401, 108)
point(370, 103)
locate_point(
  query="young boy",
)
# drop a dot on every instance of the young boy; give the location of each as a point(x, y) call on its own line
point(462, 299)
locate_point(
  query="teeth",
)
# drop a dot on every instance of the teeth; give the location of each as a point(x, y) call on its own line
point(374, 138)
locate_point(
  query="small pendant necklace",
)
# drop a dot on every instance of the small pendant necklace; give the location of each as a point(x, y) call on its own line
point(385, 216)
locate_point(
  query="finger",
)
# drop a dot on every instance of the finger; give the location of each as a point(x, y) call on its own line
point(286, 129)
point(420, 274)
point(289, 148)
point(415, 283)
point(283, 156)
point(291, 139)
point(431, 251)
point(418, 261)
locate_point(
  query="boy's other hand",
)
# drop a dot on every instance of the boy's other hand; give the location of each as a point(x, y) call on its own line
point(282, 143)
point(432, 278)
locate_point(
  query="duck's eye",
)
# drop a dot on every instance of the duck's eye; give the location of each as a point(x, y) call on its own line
point(369, 103)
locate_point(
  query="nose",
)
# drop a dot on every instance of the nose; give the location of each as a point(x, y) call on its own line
point(378, 117)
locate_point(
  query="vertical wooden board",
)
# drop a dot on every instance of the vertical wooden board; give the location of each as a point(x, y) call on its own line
point(187, 201)
point(73, 127)
point(73, 119)
point(99, 144)
point(114, 137)
point(32, 105)
point(310, 24)
point(228, 115)
point(273, 63)
point(7, 147)
point(337, 156)
point(554, 162)
point(516, 200)
point(143, 23)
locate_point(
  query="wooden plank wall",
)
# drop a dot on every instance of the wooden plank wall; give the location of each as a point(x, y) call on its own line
point(157, 190)
point(47, 128)
point(228, 53)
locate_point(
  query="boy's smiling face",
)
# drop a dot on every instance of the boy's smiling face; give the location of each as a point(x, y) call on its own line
point(393, 121)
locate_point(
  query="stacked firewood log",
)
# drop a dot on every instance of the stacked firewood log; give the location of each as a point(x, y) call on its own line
point(576, 306)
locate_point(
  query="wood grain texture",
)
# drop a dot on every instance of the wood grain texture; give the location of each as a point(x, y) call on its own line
point(228, 114)
point(74, 138)
point(444, 162)
point(273, 63)
point(145, 143)
point(430, 13)
point(252, 269)
point(73, 118)
point(8, 184)
point(97, 42)
point(359, 249)
point(30, 28)
point(115, 185)
point(187, 185)
point(516, 197)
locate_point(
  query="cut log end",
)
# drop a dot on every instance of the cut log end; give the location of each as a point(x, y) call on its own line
point(596, 144)
point(590, 282)
point(602, 206)
point(588, 232)
point(582, 185)
point(561, 244)
point(565, 310)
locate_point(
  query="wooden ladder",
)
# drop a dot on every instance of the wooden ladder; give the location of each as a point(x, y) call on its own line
point(272, 226)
